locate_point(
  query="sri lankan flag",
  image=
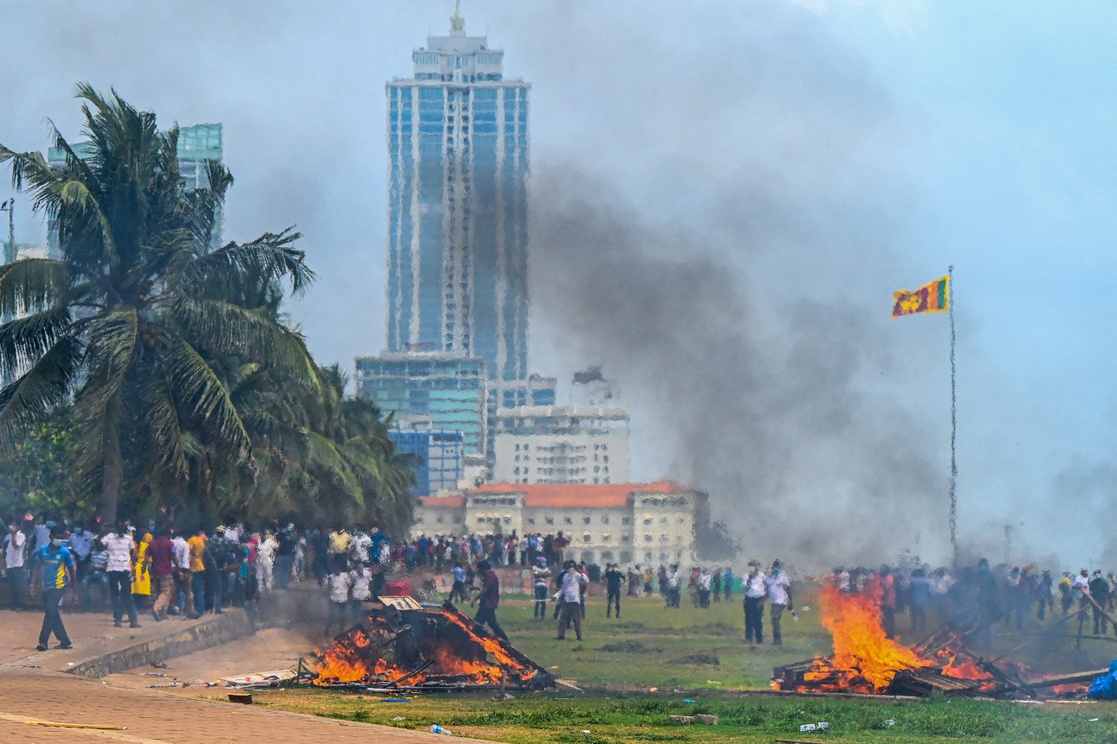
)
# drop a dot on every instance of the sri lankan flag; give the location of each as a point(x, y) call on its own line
point(931, 298)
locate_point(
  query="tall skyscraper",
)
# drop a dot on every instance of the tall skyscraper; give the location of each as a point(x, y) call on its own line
point(457, 206)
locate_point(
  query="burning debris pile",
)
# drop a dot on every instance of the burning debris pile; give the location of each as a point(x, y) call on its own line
point(405, 646)
point(865, 661)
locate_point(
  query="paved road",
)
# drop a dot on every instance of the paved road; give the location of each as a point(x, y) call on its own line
point(35, 686)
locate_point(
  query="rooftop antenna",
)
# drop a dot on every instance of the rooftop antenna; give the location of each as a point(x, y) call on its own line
point(457, 23)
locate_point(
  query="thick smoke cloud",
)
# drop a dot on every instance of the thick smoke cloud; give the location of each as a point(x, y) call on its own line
point(741, 298)
point(761, 406)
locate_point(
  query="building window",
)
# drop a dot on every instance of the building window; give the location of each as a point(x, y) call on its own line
point(606, 537)
point(626, 539)
point(647, 521)
point(585, 520)
point(626, 520)
point(664, 538)
point(567, 520)
point(549, 520)
point(605, 519)
point(440, 519)
point(586, 538)
point(663, 520)
point(647, 538)
point(531, 520)
point(647, 556)
point(517, 448)
point(457, 520)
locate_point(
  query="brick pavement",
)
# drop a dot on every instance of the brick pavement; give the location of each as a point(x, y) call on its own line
point(154, 717)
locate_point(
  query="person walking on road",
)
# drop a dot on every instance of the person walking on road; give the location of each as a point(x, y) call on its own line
point(15, 544)
point(122, 555)
point(58, 570)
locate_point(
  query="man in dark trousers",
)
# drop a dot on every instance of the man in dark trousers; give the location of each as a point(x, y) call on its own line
point(57, 565)
point(489, 598)
point(614, 578)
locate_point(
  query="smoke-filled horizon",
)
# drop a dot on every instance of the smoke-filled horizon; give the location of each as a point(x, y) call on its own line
point(724, 197)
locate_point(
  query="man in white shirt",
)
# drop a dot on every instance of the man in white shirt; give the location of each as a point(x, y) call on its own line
point(122, 552)
point(339, 583)
point(184, 578)
point(571, 597)
point(674, 580)
point(361, 591)
point(15, 543)
point(265, 561)
point(779, 594)
point(755, 592)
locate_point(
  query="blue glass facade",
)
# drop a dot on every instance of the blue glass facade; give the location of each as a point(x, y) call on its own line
point(429, 392)
point(438, 458)
point(457, 206)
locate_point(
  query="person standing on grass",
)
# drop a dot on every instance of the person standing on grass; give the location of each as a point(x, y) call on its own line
point(570, 596)
point(755, 592)
point(457, 590)
point(58, 570)
point(540, 580)
point(488, 599)
point(614, 578)
point(779, 594)
point(122, 556)
point(888, 601)
point(704, 588)
point(727, 583)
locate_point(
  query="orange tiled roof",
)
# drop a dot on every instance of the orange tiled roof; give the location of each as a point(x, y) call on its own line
point(448, 502)
point(575, 495)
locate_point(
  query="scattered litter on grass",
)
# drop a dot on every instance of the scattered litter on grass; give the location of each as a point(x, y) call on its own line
point(687, 700)
point(399, 718)
point(395, 700)
point(436, 729)
point(823, 724)
point(585, 731)
point(807, 727)
point(1093, 720)
point(712, 682)
point(890, 722)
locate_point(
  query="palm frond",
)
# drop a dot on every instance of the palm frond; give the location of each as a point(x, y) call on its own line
point(197, 387)
point(43, 386)
point(31, 284)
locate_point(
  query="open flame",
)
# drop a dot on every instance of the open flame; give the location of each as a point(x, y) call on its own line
point(865, 659)
point(451, 652)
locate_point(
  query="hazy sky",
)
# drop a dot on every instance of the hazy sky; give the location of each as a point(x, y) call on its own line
point(815, 155)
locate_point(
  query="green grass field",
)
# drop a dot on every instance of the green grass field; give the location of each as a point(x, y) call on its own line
point(622, 661)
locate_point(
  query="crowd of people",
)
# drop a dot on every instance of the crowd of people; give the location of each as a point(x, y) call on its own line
point(132, 570)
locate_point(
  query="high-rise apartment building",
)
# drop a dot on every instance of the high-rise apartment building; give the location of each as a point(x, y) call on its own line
point(561, 444)
point(457, 206)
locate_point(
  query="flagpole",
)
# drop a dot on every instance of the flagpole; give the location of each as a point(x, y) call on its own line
point(953, 426)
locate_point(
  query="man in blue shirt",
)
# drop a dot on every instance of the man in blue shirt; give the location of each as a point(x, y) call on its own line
point(57, 565)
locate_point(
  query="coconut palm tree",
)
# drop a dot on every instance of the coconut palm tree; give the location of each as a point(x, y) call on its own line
point(132, 320)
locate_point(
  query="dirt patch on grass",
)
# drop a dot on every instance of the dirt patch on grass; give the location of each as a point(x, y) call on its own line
point(629, 647)
point(705, 658)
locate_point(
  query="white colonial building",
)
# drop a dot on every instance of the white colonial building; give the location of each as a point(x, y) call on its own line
point(615, 522)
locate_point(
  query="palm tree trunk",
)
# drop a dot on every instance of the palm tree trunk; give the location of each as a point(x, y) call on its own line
point(110, 490)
